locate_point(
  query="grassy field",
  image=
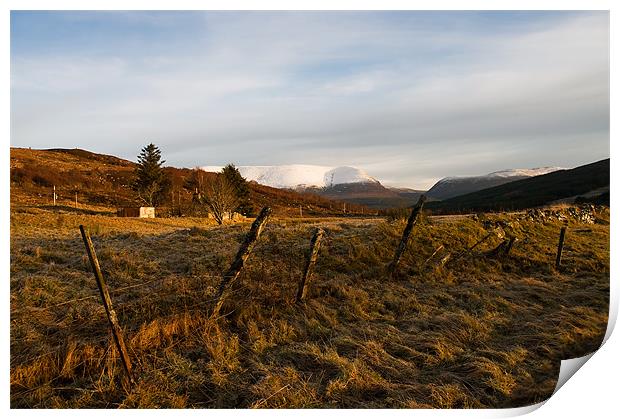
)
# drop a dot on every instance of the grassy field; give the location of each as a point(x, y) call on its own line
point(480, 331)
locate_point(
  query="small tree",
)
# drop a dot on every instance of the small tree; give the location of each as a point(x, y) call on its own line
point(152, 183)
point(220, 197)
point(232, 174)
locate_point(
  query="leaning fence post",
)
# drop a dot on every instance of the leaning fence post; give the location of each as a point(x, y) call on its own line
point(503, 248)
point(558, 258)
point(511, 242)
point(415, 212)
point(244, 252)
point(315, 245)
point(117, 332)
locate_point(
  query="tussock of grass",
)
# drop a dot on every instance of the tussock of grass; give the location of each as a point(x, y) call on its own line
point(477, 332)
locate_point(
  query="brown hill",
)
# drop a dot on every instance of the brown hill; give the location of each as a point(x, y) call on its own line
point(104, 181)
point(566, 184)
point(371, 194)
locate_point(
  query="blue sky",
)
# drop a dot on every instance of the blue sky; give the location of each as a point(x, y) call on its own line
point(408, 96)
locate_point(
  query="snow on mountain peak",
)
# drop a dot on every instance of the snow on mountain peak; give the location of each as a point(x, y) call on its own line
point(300, 175)
point(454, 186)
point(525, 172)
point(346, 174)
point(507, 173)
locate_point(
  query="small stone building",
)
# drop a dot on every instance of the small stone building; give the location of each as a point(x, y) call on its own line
point(141, 212)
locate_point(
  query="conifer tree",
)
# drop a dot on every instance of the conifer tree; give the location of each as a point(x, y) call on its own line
point(152, 183)
point(242, 190)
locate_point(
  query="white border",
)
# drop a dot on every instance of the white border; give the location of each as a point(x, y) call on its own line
point(592, 391)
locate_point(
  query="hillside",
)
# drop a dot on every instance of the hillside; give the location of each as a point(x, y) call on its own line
point(531, 192)
point(450, 187)
point(373, 195)
point(103, 182)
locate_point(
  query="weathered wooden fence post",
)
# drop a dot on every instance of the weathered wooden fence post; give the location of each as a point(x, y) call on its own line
point(244, 252)
point(117, 332)
point(415, 212)
point(315, 245)
point(558, 257)
point(503, 248)
point(179, 202)
point(511, 242)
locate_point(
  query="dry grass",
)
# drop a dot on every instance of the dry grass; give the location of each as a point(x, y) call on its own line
point(479, 332)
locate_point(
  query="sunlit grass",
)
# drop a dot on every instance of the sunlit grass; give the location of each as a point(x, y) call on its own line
point(478, 332)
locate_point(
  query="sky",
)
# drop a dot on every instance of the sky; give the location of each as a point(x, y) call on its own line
point(409, 97)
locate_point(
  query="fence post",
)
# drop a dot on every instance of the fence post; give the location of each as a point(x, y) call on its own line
point(117, 332)
point(503, 248)
point(244, 252)
point(511, 242)
point(558, 257)
point(179, 202)
point(415, 212)
point(315, 245)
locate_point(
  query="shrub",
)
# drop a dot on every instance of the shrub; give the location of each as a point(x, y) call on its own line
point(19, 175)
point(41, 181)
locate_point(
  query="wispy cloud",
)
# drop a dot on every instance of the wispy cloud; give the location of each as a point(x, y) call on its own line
point(410, 97)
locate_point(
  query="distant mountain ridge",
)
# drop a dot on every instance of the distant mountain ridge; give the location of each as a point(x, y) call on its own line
point(345, 183)
point(354, 185)
point(533, 191)
point(452, 186)
point(295, 176)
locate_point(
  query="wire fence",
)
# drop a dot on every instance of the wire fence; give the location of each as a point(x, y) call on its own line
point(173, 295)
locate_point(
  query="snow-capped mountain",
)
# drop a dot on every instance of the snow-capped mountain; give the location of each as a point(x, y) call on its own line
point(296, 176)
point(454, 186)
